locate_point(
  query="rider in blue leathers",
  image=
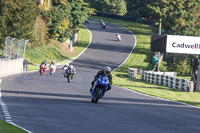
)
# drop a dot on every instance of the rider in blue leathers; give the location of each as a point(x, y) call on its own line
point(106, 72)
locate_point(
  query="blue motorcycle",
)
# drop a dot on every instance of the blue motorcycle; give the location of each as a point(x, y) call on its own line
point(99, 88)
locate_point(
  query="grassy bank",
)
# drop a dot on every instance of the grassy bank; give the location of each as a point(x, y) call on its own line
point(57, 51)
point(8, 128)
point(141, 58)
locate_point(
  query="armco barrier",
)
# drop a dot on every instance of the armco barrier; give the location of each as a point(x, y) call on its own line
point(10, 67)
point(169, 81)
point(162, 78)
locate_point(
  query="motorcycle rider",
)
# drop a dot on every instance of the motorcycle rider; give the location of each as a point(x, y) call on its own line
point(53, 65)
point(64, 68)
point(71, 70)
point(107, 72)
point(118, 36)
point(102, 23)
point(44, 63)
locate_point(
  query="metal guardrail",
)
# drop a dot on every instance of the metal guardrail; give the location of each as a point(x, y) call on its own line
point(162, 78)
point(169, 81)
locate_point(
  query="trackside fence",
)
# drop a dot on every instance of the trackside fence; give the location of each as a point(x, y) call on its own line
point(161, 79)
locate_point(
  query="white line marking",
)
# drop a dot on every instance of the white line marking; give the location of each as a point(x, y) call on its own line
point(7, 115)
point(158, 97)
point(130, 52)
point(84, 49)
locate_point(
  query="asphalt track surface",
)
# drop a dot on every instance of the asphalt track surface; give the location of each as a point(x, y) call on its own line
point(48, 104)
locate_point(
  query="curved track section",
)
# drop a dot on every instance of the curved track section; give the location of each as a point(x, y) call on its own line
point(48, 104)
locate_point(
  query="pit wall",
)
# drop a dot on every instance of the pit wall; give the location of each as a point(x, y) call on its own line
point(10, 67)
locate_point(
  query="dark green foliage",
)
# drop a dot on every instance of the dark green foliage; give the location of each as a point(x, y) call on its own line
point(57, 22)
point(18, 18)
point(136, 8)
point(65, 17)
point(178, 63)
point(79, 12)
point(110, 6)
point(178, 17)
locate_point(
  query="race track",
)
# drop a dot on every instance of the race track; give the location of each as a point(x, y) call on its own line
point(48, 104)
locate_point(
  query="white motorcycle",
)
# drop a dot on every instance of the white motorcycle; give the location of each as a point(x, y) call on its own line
point(52, 68)
point(118, 37)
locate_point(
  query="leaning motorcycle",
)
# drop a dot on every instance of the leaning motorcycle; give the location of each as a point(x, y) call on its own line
point(69, 75)
point(103, 25)
point(99, 88)
point(42, 69)
point(118, 37)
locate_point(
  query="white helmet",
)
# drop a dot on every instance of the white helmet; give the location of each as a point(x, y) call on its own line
point(107, 70)
point(71, 66)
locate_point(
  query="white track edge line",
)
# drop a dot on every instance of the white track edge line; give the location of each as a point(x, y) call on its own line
point(158, 97)
point(85, 48)
point(130, 52)
point(36, 70)
point(6, 113)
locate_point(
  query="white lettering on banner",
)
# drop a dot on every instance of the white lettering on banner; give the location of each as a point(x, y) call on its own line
point(183, 44)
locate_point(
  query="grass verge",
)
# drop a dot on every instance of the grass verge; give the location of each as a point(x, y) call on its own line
point(56, 51)
point(9, 128)
point(141, 58)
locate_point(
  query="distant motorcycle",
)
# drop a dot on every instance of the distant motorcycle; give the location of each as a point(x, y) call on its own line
point(103, 25)
point(42, 69)
point(69, 74)
point(118, 37)
point(99, 88)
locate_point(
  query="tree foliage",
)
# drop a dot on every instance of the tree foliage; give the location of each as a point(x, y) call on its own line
point(17, 18)
point(179, 63)
point(136, 8)
point(110, 6)
point(65, 17)
point(178, 16)
point(79, 12)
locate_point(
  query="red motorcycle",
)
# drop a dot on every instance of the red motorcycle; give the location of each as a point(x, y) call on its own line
point(42, 69)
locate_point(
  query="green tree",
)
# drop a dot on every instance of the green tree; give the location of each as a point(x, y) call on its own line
point(79, 12)
point(18, 18)
point(110, 6)
point(57, 18)
point(136, 8)
point(179, 63)
point(178, 16)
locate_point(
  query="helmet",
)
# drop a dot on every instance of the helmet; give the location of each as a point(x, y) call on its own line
point(107, 70)
point(67, 64)
point(71, 66)
point(44, 61)
point(101, 20)
point(54, 62)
